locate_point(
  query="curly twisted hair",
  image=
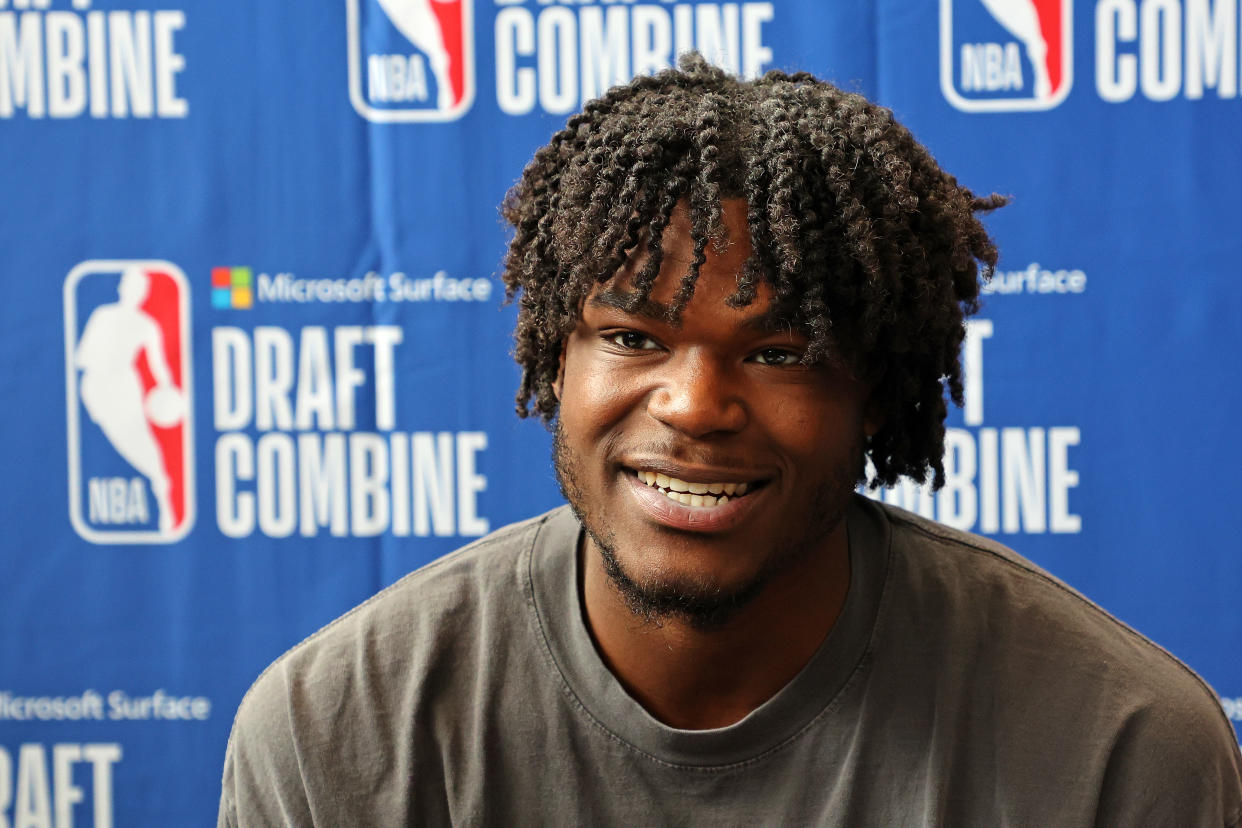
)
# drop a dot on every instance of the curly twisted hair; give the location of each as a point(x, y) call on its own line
point(869, 247)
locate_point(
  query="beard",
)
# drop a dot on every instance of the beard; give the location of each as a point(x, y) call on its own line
point(702, 602)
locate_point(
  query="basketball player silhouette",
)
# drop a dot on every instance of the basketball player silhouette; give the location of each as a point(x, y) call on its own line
point(111, 387)
point(1022, 21)
point(419, 24)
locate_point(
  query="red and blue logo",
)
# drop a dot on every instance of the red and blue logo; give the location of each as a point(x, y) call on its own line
point(411, 60)
point(129, 401)
point(1006, 55)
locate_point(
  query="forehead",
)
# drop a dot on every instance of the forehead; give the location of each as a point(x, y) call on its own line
point(725, 260)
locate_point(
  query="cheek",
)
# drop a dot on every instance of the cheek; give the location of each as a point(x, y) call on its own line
point(800, 431)
point(818, 426)
point(594, 395)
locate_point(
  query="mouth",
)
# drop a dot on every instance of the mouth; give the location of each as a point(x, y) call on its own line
point(696, 494)
point(700, 505)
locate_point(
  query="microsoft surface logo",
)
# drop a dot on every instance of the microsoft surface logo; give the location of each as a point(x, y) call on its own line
point(231, 288)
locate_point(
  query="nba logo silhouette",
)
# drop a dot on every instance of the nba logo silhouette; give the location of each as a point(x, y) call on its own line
point(411, 60)
point(1006, 55)
point(129, 402)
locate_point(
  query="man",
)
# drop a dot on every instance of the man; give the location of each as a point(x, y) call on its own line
point(733, 295)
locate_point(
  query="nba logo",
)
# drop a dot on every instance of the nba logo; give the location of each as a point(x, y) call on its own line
point(411, 60)
point(130, 408)
point(1005, 55)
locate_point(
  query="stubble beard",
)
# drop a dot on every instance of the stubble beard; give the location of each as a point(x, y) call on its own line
point(703, 603)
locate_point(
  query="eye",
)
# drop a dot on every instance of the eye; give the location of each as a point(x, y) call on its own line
point(778, 357)
point(632, 341)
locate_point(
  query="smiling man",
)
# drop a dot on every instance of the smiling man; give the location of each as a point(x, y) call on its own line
point(711, 469)
point(737, 301)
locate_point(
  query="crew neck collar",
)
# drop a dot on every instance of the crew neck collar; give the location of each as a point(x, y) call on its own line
point(553, 586)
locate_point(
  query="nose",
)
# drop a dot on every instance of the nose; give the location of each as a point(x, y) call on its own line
point(698, 396)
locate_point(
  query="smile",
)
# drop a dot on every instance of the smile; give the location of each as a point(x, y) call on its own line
point(693, 494)
point(698, 507)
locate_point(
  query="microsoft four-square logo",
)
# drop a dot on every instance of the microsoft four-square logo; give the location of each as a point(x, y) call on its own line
point(232, 288)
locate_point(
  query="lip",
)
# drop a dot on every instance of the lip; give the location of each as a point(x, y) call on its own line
point(675, 515)
point(697, 474)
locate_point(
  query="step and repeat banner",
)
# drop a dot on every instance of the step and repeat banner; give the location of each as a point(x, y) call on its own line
point(255, 350)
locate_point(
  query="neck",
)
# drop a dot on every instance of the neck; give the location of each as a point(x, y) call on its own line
point(696, 679)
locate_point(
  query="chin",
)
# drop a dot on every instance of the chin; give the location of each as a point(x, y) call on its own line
point(658, 590)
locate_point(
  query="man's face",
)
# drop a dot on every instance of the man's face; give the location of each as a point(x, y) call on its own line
point(718, 403)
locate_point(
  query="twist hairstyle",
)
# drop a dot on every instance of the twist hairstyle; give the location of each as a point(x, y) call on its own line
point(871, 248)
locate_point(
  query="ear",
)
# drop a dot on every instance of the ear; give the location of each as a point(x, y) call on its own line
point(560, 375)
point(873, 418)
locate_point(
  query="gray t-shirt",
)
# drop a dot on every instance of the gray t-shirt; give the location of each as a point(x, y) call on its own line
point(960, 686)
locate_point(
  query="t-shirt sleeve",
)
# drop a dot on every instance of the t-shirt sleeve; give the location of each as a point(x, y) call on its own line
point(1176, 765)
point(263, 783)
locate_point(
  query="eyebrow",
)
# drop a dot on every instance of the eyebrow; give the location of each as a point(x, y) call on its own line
point(620, 301)
point(771, 321)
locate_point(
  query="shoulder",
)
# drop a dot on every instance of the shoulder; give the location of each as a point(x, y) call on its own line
point(1060, 670)
point(346, 687)
point(439, 597)
point(985, 585)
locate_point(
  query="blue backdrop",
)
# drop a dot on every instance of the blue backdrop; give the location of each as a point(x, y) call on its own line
point(256, 358)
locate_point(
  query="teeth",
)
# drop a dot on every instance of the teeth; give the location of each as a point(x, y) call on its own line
point(693, 494)
point(687, 499)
